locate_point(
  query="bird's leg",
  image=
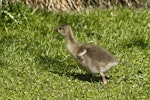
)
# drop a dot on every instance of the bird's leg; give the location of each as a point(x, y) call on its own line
point(103, 78)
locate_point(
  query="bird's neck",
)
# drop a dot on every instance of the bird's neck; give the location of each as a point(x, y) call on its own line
point(71, 39)
point(72, 45)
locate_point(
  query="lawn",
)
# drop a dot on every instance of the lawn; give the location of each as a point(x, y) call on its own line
point(34, 62)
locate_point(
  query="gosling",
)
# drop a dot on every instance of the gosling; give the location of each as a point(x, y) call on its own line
point(94, 59)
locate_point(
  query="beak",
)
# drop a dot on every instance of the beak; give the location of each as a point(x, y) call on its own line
point(56, 30)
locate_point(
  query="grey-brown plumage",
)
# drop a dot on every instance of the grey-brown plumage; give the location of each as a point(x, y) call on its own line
point(95, 60)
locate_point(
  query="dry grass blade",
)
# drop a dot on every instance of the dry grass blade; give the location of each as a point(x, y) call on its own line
point(67, 5)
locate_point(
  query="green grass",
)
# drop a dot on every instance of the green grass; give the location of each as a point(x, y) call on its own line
point(34, 62)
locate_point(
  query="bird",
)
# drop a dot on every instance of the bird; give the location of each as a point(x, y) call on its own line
point(93, 59)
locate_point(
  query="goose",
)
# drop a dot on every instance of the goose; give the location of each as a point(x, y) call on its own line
point(94, 59)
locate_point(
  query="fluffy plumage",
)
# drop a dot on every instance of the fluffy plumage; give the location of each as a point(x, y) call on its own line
point(94, 59)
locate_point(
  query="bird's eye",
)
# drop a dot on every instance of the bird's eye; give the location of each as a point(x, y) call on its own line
point(61, 28)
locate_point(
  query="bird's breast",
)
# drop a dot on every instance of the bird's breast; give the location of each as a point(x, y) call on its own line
point(72, 48)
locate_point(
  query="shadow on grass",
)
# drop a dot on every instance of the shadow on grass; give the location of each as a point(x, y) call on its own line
point(50, 62)
point(62, 69)
point(1, 63)
point(81, 76)
point(86, 77)
point(137, 42)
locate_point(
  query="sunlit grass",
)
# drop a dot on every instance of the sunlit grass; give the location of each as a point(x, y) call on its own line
point(35, 64)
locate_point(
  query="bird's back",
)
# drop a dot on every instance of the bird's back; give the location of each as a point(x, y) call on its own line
point(99, 53)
